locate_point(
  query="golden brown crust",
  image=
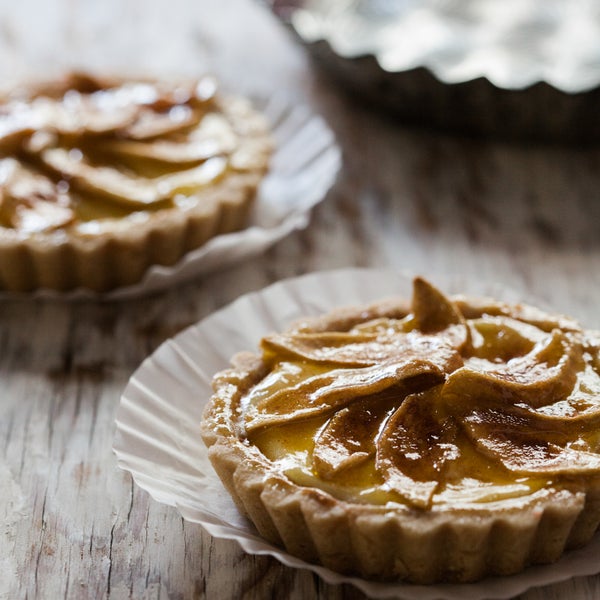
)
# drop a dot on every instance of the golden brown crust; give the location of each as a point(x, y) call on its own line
point(401, 543)
point(394, 541)
point(119, 251)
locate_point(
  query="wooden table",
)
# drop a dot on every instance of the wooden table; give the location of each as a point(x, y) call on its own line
point(71, 523)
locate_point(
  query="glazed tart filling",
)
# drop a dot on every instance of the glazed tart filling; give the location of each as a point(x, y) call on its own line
point(445, 403)
point(85, 153)
point(101, 179)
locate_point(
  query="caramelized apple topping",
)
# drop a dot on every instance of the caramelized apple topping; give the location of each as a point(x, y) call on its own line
point(483, 397)
point(29, 202)
point(127, 146)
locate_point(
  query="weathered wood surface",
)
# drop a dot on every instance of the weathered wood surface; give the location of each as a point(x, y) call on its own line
point(71, 523)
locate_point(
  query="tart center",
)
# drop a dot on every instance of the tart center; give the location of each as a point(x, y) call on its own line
point(88, 151)
point(446, 403)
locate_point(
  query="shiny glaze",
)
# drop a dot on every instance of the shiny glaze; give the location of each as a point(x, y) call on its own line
point(432, 408)
point(87, 151)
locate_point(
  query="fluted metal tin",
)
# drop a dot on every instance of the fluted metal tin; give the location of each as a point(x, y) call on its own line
point(510, 68)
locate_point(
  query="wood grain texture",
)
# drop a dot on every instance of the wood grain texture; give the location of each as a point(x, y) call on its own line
point(72, 525)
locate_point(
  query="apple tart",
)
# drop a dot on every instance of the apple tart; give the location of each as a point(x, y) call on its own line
point(102, 178)
point(443, 439)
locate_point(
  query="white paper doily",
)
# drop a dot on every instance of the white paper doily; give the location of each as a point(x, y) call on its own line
point(157, 425)
point(304, 166)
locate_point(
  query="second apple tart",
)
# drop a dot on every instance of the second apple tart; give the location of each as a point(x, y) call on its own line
point(102, 178)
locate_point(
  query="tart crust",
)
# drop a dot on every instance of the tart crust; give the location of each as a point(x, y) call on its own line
point(392, 541)
point(104, 253)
